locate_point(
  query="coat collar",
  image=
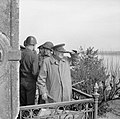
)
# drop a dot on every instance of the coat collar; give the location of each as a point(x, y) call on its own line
point(53, 60)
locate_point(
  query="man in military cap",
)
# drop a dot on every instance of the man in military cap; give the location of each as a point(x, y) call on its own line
point(54, 78)
point(45, 51)
point(28, 72)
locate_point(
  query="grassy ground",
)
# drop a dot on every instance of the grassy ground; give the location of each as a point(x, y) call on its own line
point(115, 114)
point(110, 116)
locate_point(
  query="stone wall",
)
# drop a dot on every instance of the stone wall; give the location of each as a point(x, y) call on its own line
point(9, 40)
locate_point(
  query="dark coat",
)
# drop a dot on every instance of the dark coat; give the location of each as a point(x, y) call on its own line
point(28, 66)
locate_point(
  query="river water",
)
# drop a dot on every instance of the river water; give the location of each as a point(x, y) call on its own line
point(112, 63)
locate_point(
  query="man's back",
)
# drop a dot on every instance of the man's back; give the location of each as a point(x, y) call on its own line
point(28, 65)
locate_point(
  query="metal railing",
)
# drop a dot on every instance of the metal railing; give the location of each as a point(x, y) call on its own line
point(76, 109)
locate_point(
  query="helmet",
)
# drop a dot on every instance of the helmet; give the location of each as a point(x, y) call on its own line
point(48, 45)
point(30, 40)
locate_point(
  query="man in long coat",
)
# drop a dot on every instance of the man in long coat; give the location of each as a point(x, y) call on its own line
point(54, 78)
point(44, 52)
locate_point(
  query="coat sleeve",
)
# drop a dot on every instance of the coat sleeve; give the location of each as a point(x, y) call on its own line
point(35, 65)
point(41, 80)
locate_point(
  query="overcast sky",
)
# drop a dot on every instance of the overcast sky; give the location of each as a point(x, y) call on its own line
point(76, 23)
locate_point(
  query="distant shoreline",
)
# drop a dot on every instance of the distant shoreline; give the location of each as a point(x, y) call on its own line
point(108, 52)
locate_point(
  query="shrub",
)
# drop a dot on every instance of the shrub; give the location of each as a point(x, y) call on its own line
point(88, 69)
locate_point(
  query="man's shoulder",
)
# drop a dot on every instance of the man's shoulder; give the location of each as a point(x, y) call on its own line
point(27, 51)
point(66, 58)
point(30, 53)
point(49, 59)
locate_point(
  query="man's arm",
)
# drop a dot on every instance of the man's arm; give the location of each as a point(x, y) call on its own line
point(41, 80)
point(35, 65)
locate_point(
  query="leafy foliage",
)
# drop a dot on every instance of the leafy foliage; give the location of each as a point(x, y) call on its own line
point(87, 69)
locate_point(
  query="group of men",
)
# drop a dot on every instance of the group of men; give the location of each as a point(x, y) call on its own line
point(49, 70)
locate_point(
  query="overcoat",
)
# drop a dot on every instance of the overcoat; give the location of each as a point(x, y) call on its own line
point(55, 79)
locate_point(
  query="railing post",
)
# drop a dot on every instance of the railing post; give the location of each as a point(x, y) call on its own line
point(95, 95)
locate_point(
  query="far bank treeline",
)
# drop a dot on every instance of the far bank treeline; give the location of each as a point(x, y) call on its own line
point(109, 52)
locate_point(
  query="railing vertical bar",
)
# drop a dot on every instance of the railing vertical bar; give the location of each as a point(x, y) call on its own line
point(20, 114)
point(31, 114)
point(92, 115)
point(96, 95)
point(86, 113)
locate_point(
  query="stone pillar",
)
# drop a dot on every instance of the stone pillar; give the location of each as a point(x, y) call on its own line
point(9, 57)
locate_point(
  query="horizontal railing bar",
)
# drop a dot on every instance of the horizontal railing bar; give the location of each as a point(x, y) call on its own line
point(81, 111)
point(78, 83)
point(81, 92)
point(89, 110)
point(56, 104)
